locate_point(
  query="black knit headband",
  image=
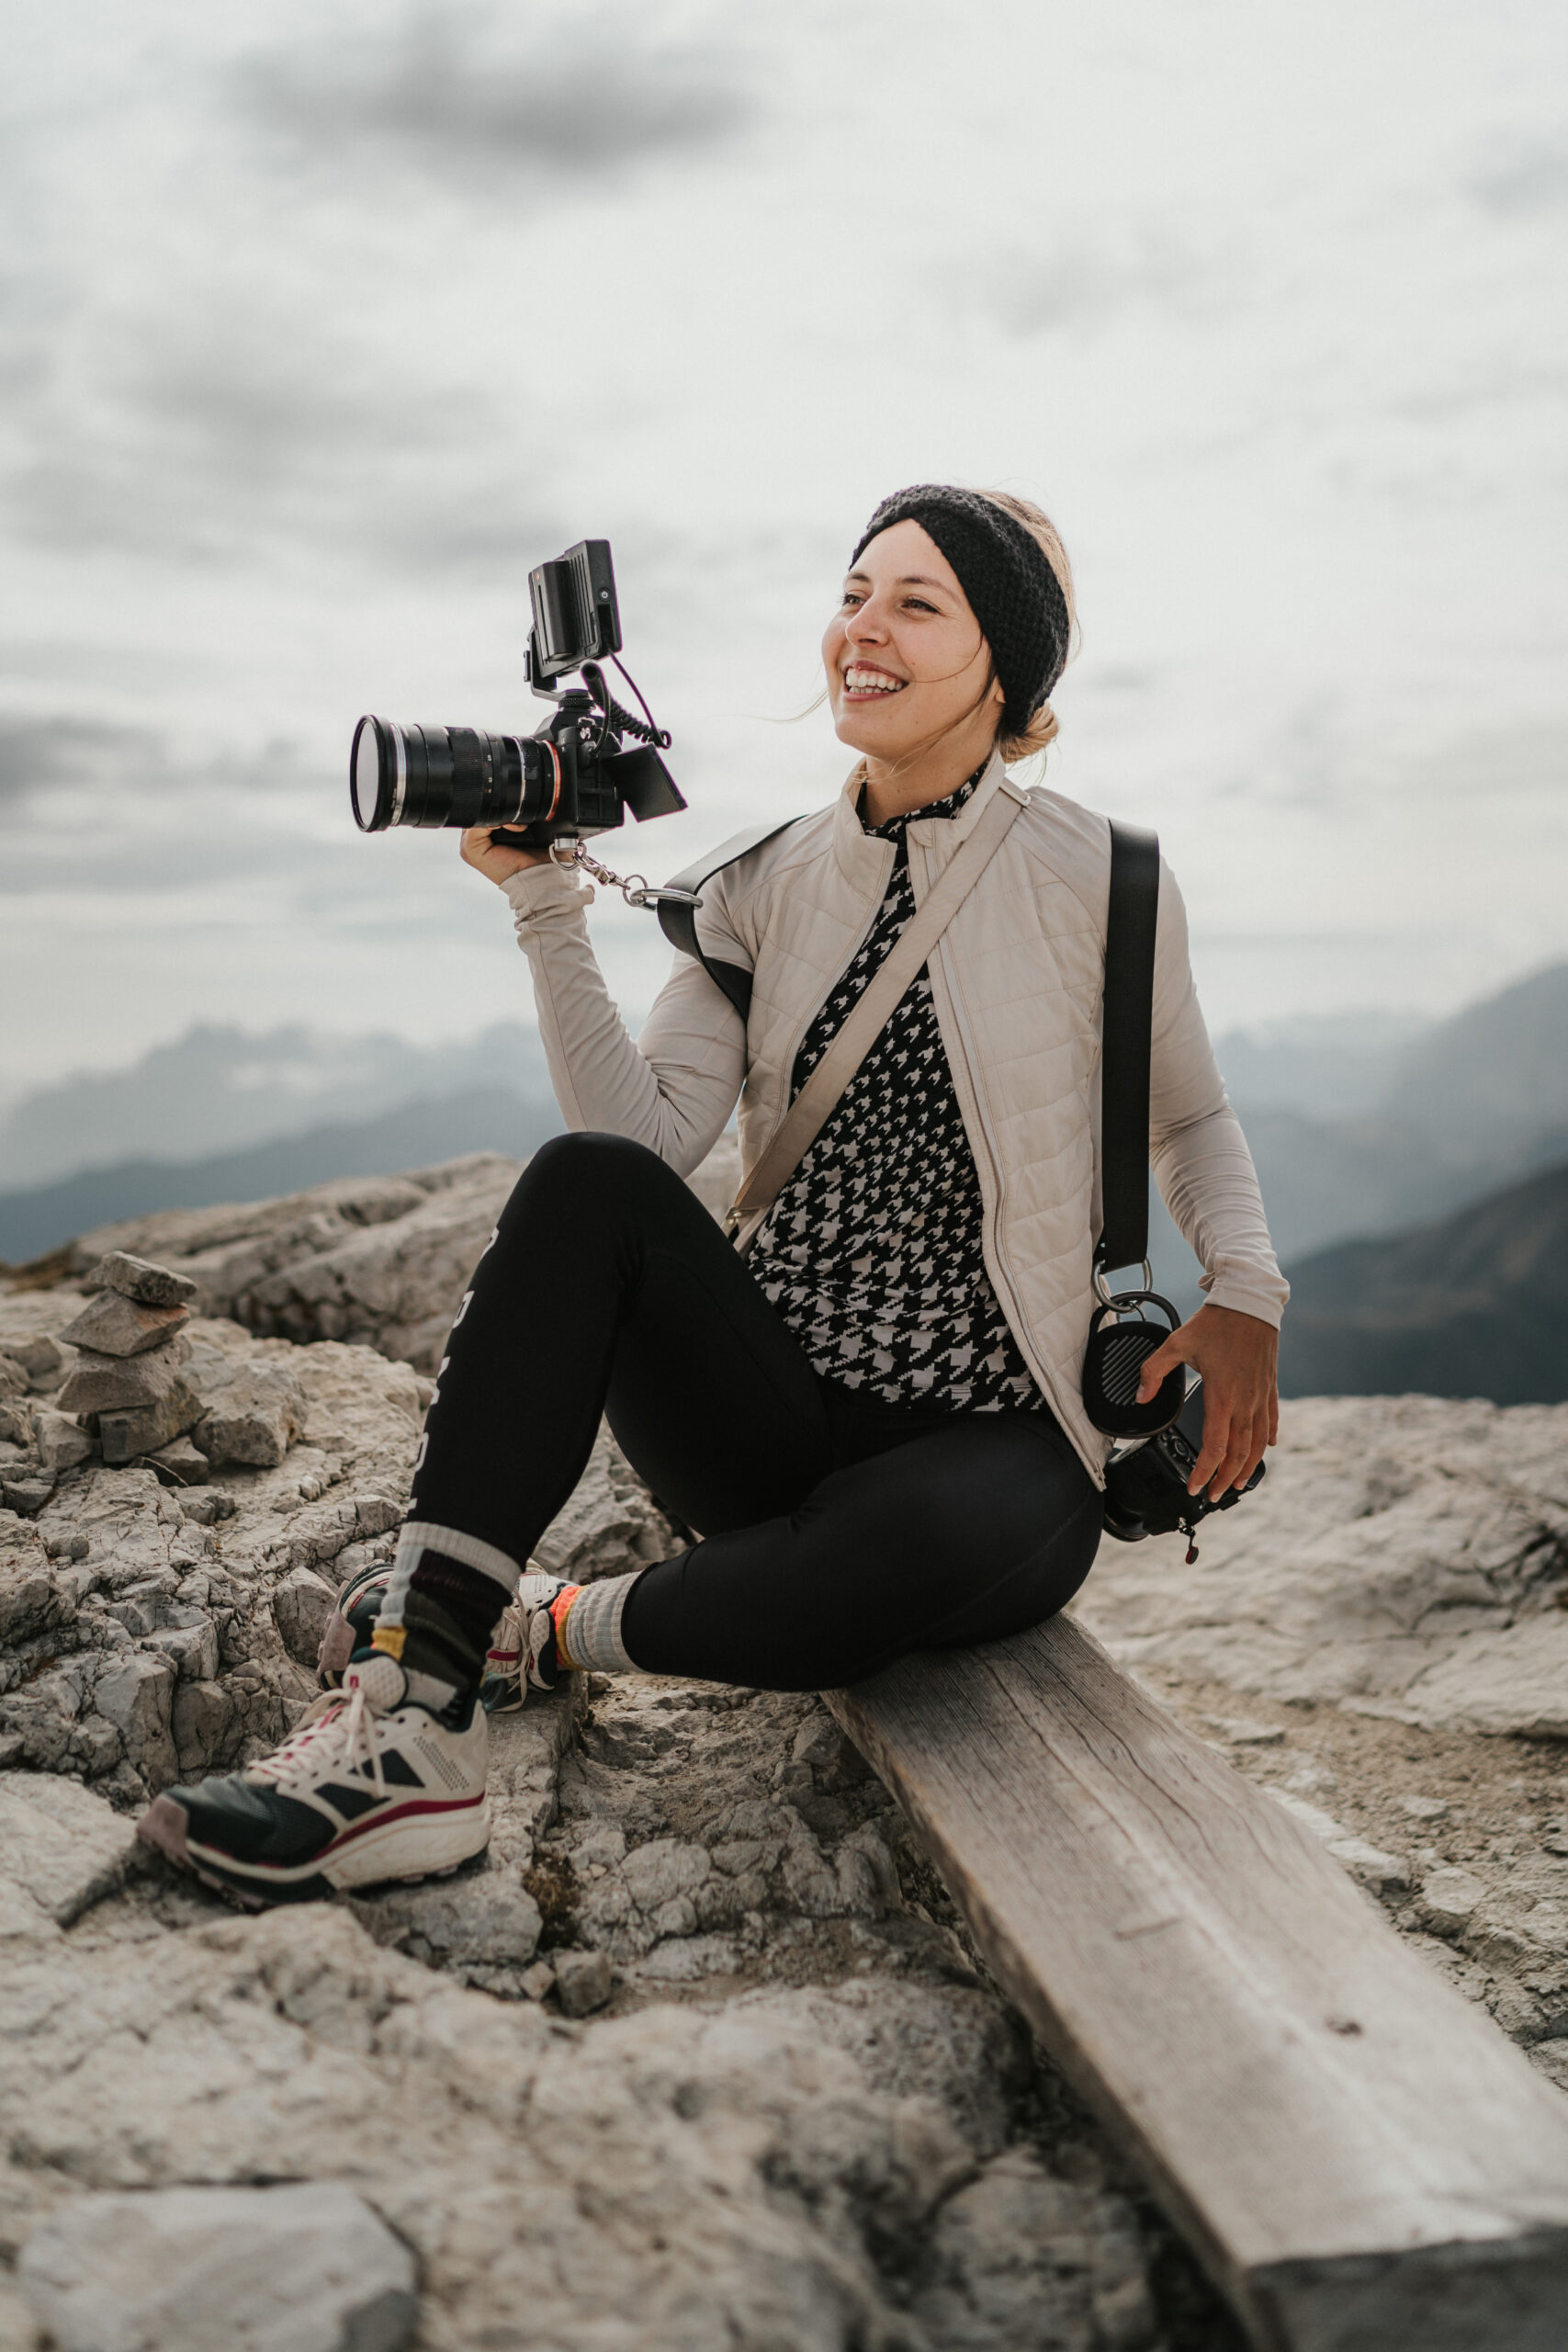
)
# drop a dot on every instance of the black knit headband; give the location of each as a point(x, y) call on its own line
point(1002, 569)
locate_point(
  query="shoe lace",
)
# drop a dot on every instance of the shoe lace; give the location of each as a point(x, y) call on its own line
point(335, 1734)
point(510, 1631)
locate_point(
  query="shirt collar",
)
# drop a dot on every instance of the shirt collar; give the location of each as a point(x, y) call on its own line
point(949, 805)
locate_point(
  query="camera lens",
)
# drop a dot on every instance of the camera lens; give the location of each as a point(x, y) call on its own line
point(449, 775)
point(372, 774)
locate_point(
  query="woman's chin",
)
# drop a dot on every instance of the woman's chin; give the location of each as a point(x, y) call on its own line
point(868, 731)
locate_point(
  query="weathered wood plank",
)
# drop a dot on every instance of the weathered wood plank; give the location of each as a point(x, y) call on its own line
point(1360, 2158)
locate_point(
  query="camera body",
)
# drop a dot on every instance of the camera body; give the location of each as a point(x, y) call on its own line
point(580, 772)
point(1146, 1486)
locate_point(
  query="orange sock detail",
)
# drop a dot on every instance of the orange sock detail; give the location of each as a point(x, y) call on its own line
point(560, 1610)
point(390, 1638)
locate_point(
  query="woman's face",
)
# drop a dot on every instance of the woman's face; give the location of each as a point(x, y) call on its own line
point(905, 657)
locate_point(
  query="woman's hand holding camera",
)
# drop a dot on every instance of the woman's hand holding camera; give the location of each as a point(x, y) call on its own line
point(1235, 1357)
point(497, 863)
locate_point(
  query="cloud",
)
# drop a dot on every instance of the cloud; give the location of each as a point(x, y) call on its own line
point(1532, 177)
point(583, 96)
point(65, 751)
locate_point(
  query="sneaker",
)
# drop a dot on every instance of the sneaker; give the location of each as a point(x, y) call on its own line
point(351, 1622)
point(522, 1647)
point(372, 1785)
point(505, 1676)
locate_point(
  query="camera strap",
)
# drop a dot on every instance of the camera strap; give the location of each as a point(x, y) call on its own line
point(679, 899)
point(1132, 913)
point(819, 1097)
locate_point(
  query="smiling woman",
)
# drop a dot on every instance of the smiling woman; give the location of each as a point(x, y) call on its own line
point(868, 1413)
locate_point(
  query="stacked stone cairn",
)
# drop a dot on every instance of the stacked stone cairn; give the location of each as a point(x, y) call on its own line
point(137, 1388)
point(128, 1380)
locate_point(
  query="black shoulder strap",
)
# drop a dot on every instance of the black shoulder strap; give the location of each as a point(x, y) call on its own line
point(678, 916)
point(1125, 1050)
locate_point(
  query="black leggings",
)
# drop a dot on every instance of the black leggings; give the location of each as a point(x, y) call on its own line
point(836, 1532)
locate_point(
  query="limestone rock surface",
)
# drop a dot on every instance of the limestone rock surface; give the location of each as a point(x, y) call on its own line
point(697, 2054)
point(1404, 1556)
point(286, 2269)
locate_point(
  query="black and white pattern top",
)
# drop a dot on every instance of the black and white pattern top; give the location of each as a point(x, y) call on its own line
point(872, 1253)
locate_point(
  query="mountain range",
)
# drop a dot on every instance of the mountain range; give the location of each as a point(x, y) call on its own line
point(1361, 1126)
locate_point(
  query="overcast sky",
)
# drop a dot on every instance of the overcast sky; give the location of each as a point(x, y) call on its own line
point(323, 323)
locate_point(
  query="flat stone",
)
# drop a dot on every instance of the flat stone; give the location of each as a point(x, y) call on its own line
point(104, 1384)
point(1425, 1808)
point(27, 1495)
point(60, 1844)
point(180, 1464)
point(115, 1325)
point(584, 1981)
point(306, 2269)
point(254, 1419)
point(62, 1443)
point(147, 1429)
point(1448, 1899)
point(139, 1279)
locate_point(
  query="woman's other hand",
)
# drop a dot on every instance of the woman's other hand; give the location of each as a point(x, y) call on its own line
point(1235, 1356)
point(495, 862)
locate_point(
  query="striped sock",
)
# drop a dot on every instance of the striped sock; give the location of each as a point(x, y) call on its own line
point(587, 1627)
point(447, 1591)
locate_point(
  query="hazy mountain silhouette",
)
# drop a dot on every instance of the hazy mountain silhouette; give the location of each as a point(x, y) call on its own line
point(415, 1134)
point(1474, 1307)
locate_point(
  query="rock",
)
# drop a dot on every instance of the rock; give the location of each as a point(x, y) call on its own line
point(180, 1464)
point(302, 1606)
point(483, 1919)
point(61, 1848)
point(14, 1380)
point(115, 1325)
point(147, 1429)
point(1448, 1900)
point(1405, 1556)
point(139, 1279)
point(27, 1495)
point(308, 2268)
point(584, 1981)
point(101, 1384)
point(1365, 1862)
point(41, 1357)
point(136, 1694)
point(61, 1441)
point(254, 1418)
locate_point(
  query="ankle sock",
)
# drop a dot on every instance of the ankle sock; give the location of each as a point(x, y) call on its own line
point(588, 1629)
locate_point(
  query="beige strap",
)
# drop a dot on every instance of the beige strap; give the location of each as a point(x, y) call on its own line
point(818, 1098)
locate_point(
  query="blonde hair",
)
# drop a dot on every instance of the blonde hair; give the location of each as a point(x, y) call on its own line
point(1041, 731)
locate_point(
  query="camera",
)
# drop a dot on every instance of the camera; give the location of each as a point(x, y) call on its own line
point(1146, 1486)
point(588, 762)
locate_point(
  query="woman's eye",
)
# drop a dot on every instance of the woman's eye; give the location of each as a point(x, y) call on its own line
point(917, 605)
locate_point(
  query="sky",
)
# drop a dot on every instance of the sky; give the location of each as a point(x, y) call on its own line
point(322, 324)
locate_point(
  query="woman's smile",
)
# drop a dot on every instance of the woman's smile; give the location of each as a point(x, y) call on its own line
point(867, 682)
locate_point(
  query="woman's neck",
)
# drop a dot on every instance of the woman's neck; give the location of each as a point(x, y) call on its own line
point(894, 788)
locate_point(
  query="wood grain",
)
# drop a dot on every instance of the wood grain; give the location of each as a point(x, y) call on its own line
point(1359, 2157)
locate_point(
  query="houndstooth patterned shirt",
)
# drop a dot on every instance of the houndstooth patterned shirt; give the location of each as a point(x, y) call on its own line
point(872, 1253)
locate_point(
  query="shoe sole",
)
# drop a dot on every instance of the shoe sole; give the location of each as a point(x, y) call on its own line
point(411, 1848)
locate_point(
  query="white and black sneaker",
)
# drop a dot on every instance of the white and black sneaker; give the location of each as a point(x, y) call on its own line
point(522, 1647)
point(372, 1785)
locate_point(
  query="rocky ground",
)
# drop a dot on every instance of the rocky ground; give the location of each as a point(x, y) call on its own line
point(698, 2055)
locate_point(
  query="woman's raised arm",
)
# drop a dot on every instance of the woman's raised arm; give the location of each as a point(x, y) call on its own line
point(673, 1088)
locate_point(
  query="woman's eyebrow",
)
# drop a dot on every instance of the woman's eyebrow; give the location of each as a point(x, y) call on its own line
point(904, 579)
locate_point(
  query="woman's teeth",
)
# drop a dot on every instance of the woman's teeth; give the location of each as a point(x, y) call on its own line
point(871, 682)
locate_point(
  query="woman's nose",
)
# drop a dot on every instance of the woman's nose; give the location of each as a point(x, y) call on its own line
point(865, 625)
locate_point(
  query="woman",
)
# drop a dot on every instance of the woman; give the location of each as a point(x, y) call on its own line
point(870, 1413)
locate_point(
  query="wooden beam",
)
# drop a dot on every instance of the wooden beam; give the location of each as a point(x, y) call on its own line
point(1358, 2156)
